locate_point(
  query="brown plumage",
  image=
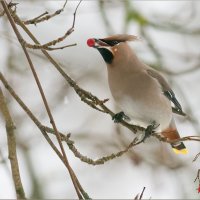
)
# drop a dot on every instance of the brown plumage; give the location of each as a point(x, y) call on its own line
point(140, 91)
point(122, 38)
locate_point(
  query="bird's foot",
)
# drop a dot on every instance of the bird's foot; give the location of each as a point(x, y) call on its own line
point(118, 117)
point(149, 130)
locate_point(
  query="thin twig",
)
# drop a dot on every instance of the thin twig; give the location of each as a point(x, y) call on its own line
point(198, 178)
point(139, 196)
point(104, 159)
point(42, 18)
point(187, 138)
point(196, 157)
point(43, 98)
point(74, 20)
point(12, 147)
point(35, 19)
point(47, 46)
point(47, 16)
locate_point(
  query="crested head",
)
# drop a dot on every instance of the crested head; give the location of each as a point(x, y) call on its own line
point(110, 47)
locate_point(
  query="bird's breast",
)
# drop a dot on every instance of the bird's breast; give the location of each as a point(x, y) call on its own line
point(141, 98)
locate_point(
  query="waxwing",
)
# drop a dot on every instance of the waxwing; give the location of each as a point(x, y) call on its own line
point(140, 91)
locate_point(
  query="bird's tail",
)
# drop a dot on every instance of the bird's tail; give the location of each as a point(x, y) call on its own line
point(172, 134)
point(179, 148)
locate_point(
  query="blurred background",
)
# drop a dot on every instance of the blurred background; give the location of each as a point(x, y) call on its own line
point(170, 38)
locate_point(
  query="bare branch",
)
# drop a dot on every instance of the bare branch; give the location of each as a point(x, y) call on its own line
point(139, 196)
point(196, 157)
point(187, 138)
point(12, 147)
point(198, 178)
point(41, 127)
point(47, 46)
point(104, 159)
point(72, 175)
point(42, 18)
point(35, 19)
point(73, 24)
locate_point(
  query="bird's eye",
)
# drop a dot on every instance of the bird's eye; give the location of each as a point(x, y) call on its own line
point(111, 42)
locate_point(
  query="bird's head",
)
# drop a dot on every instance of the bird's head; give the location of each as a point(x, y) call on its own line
point(111, 47)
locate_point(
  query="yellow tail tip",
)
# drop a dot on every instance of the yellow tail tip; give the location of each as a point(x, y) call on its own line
point(182, 151)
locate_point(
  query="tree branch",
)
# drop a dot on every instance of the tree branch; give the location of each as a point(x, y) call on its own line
point(47, 16)
point(139, 196)
point(64, 137)
point(72, 175)
point(12, 147)
point(47, 45)
point(41, 127)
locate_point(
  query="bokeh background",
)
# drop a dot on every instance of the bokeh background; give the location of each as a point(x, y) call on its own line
point(170, 38)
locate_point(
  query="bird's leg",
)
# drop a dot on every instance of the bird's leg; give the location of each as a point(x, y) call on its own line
point(149, 130)
point(119, 116)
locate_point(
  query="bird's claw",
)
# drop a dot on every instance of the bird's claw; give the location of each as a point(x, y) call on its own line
point(118, 117)
point(149, 130)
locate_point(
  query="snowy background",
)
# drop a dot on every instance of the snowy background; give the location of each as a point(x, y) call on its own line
point(173, 28)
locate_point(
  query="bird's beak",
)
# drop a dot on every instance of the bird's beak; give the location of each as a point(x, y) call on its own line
point(96, 43)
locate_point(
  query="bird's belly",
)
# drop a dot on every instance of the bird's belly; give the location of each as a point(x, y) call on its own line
point(143, 113)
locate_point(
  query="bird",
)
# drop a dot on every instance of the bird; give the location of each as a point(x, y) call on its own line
point(140, 91)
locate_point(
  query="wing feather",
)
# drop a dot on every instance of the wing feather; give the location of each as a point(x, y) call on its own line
point(167, 91)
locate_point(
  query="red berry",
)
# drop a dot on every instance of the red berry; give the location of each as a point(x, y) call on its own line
point(91, 42)
point(198, 189)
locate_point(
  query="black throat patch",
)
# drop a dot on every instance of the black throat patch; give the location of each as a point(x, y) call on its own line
point(106, 54)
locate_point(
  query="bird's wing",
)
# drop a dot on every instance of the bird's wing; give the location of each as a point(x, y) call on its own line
point(178, 112)
point(167, 91)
